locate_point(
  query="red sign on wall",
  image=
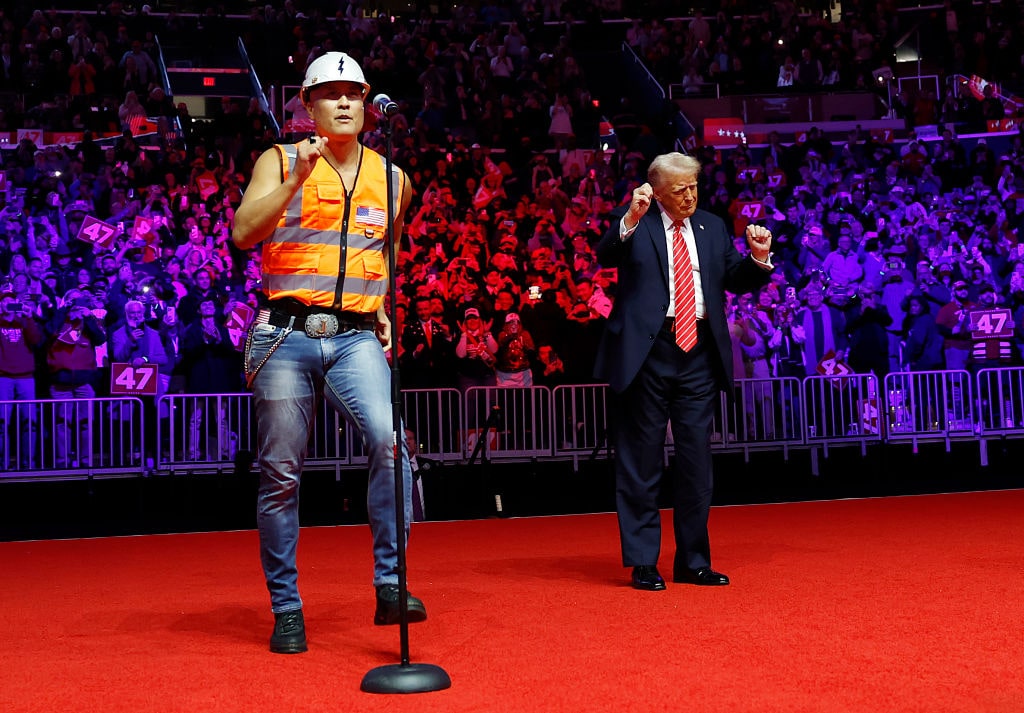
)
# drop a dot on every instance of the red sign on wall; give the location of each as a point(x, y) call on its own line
point(724, 131)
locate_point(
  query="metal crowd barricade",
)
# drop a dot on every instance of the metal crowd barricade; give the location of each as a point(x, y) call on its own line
point(46, 439)
point(764, 414)
point(117, 437)
point(205, 432)
point(999, 402)
point(202, 432)
point(20, 437)
point(513, 422)
point(998, 405)
point(928, 405)
point(579, 419)
point(841, 409)
point(332, 444)
point(435, 416)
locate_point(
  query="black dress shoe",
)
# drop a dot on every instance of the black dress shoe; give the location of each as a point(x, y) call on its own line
point(648, 578)
point(289, 635)
point(704, 576)
point(388, 611)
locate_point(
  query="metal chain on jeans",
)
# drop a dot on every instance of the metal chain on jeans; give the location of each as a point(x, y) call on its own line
point(251, 375)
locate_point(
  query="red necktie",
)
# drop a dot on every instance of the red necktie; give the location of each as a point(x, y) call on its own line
point(686, 301)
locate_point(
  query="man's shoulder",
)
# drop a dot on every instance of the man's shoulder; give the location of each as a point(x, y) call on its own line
point(369, 151)
point(707, 219)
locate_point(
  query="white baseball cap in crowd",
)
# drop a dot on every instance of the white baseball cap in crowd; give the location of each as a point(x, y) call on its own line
point(334, 67)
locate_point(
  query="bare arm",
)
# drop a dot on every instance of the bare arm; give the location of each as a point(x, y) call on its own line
point(264, 201)
point(267, 196)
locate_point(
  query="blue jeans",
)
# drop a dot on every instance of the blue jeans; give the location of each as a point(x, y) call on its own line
point(352, 371)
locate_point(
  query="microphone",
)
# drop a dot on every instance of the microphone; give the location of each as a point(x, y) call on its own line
point(384, 106)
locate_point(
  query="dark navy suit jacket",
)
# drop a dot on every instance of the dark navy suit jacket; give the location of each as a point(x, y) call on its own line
point(641, 297)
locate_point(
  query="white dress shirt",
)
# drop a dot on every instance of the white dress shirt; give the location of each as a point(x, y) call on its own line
point(691, 247)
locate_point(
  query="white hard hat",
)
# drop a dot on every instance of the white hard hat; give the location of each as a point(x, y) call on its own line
point(334, 67)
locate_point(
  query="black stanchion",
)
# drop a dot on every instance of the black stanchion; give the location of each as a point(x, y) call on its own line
point(403, 677)
point(489, 480)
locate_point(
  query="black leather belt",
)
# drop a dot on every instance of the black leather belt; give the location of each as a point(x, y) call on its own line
point(313, 318)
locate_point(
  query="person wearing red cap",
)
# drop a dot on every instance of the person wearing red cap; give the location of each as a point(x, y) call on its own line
point(73, 333)
point(954, 323)
point(515, 354)
point(475, 352)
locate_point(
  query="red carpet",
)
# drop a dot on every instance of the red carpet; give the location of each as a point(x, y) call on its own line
point(899, 604)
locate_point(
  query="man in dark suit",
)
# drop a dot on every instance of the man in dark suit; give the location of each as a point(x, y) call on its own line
point(666, 354)
point(429, 349)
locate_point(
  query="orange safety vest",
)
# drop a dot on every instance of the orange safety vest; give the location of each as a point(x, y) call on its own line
point(329, 248)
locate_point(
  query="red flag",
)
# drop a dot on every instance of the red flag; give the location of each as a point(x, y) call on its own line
point(141, 125)
point(143, 231)
point(238, 322)
point(977, 87)
point(206, 182)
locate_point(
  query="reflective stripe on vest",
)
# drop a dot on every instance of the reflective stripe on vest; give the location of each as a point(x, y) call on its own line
point(302, 258)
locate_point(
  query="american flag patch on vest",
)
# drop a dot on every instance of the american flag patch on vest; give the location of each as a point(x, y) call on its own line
point(370, 216)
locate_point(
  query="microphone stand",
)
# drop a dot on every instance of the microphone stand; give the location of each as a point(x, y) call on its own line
point(404, 677)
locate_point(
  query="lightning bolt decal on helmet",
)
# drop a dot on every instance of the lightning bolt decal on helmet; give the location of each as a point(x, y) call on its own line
point(334, 67)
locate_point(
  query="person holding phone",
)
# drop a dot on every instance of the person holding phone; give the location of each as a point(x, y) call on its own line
point(138, 344)
point(72, 336)
point(18, 423)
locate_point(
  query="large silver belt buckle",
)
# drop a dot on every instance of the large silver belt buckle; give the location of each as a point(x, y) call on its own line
point(321, 326)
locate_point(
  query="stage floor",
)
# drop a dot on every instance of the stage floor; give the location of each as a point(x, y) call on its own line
point(890, 604)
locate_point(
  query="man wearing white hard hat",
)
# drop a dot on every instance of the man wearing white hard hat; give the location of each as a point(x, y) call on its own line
point(320, 209)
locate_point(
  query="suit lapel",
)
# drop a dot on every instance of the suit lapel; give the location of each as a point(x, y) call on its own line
point(703, 257)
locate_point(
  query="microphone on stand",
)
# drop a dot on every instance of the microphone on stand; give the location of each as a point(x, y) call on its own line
point(405, 677)
point(384, 106)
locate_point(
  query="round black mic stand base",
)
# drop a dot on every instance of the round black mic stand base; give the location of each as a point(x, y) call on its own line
point(405, 678)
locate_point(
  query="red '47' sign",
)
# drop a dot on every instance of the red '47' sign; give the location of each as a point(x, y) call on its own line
point(126, 380)
point(991, 324)
point(97, 232)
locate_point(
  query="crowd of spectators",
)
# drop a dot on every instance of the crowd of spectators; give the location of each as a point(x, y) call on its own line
point(881, 248)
